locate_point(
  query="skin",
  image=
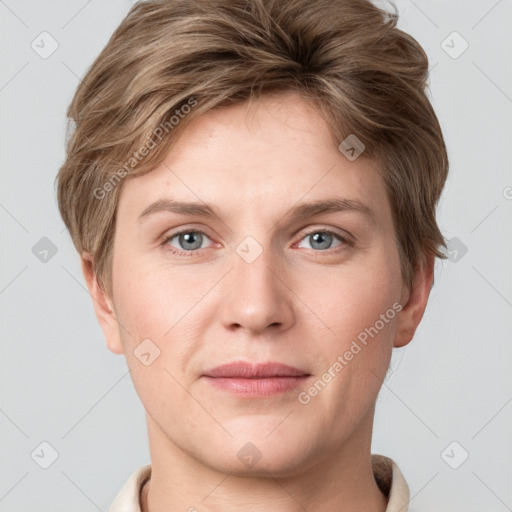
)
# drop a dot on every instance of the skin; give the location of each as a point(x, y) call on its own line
point(298, 303)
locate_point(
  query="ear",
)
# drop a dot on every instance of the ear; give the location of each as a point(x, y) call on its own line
point(414, 304)
point(102, 306)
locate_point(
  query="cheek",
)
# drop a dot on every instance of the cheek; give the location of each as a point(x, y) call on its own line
point(351, 298)
point(150, 308)
point(151, 301)
point(159, 310)
point(359, 307)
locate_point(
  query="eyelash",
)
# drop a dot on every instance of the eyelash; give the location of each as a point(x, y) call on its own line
point(176, 252)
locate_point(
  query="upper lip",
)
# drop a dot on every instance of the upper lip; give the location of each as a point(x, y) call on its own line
point(242, 369)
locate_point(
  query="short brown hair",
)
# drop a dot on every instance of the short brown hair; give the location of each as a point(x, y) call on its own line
point(365, 76)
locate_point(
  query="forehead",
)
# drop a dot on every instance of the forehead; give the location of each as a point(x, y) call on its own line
point(276, 151)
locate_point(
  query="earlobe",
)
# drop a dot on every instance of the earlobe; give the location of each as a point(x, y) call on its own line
point(415, 303)
point(103, 306)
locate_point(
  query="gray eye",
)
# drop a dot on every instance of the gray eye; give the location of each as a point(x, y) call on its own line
point(321, 240)
point(189, 240)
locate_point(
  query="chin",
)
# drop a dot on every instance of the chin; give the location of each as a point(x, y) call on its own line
point(257, 454)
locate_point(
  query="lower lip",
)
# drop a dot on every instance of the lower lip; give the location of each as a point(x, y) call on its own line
point(257, 387)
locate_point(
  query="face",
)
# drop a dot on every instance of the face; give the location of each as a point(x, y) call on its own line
point(256, 282)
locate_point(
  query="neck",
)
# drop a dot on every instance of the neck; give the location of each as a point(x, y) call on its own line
point(181, 482)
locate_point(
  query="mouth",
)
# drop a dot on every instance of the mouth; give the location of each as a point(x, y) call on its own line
point(255, 380)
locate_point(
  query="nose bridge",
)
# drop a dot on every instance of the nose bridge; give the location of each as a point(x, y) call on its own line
point(255, 266)
point(256, 298)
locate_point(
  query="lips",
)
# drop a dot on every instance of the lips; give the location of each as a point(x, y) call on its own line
point(245, 370)
point(262, 380)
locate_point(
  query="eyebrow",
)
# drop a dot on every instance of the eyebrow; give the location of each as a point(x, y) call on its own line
point(299, 212)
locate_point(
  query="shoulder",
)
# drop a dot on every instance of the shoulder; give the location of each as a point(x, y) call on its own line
point(127, 499)
point(391, 482)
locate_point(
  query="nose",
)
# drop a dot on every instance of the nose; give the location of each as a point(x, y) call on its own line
point(256, 297)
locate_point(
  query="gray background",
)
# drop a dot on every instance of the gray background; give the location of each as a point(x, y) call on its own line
point(61, 385)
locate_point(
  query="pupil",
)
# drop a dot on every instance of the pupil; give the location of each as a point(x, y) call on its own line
point(190, 238)
point(322, 238)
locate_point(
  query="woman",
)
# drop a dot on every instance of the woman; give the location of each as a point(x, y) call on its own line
point(252, 186)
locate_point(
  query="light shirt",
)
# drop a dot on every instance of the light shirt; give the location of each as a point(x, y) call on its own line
point(387, 475)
